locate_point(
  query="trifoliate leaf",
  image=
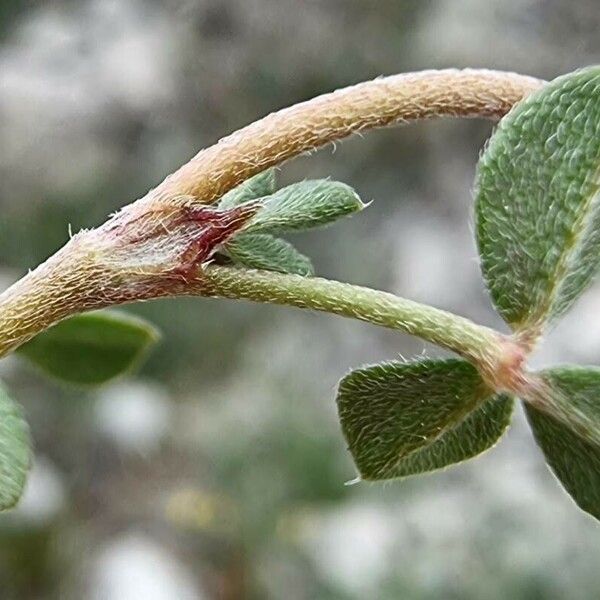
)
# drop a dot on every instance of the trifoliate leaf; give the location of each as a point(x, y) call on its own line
point(15, 451)
point(538, 202)
point(263, 251)
point(258, 186)
point(91, 348)
point(305, 205)
point(400, 419)
point(572, 450)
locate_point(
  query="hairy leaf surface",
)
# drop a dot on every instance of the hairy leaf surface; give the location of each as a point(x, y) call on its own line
point(572, 450)
point(479, 431)
point(258, 186)
point(91, 348)
point(400, 419)
point(15, 451)
point(263, 251)
point(305, 205)
point(538, 202)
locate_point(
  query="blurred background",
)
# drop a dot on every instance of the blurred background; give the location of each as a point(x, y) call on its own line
point(218, 470)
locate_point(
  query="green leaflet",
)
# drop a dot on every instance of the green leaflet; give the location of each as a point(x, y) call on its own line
point(15, 451)
point(572, 450)
point(401, 419)
point(299, 206)
point(263, 251)
point(305, 205)
point(480, 431)
point(91, 348)
point(258, 186)
point(537, 201)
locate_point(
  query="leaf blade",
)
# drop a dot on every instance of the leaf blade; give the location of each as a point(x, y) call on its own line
point(91, 348)
point(480, 431)
point(258, 186)
point(573, 456)
point(15, 451)
point(396, 417)
point(305, 205)
point(264, 251)
point(538, 204)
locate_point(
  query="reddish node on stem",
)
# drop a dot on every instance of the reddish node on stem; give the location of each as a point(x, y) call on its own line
point(214, 228)
point(507, 372)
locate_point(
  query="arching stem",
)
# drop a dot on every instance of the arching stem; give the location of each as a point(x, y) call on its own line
point(149, 249)
point(476, 343)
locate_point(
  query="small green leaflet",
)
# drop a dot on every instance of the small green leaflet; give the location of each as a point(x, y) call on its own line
point(258, 186)
point(572, 450)
point(15, 451)
point(305, 205)
point(401, 419)
point(263, 251)
point(538, 201)
point(91, 348)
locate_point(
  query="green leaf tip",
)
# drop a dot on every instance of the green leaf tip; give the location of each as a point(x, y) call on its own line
point(264, 251)
point(305, 205)
point(571, 444)
point(401, 419)
point(260, 185)
point(538, 203)
point(91, 348)
point(15, 451)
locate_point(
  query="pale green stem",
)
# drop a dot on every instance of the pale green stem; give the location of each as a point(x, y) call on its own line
point(476, 343)
point(57, 290)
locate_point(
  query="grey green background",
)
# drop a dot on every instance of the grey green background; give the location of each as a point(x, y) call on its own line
point(217, 471)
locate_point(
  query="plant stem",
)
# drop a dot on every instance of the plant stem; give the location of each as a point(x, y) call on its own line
point(125, 260)
point(396, 99)
point(38, 301)
point(474, 342)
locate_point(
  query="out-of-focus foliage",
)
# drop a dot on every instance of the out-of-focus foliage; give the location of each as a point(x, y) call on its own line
point(218, 472)
point(14, 451)
point(91, 348)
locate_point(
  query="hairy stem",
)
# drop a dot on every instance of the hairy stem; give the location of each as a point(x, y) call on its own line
point(480, 345)
point(153, 247)
point(397, 99)
point(474, 342)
